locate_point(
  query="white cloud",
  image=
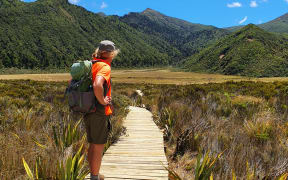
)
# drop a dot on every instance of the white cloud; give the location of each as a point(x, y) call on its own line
point(254, 4)
point(243, 20)
point(234, 4)
point(74, 1)
point(103, 5)
point(286, 1)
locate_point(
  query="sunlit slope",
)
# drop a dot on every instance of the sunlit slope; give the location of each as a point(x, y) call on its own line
point(250, 51)
point(53, 33)
point(186, 38)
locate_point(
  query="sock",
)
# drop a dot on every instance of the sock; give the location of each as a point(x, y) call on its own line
point(94, 177)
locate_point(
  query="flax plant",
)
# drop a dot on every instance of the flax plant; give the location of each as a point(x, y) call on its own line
point(205, 166)
point(169, 122)
point(72, 168)
point(283, 177)
point(28, 111)
point(203, 169)
point(40, 170)
point(70, 134)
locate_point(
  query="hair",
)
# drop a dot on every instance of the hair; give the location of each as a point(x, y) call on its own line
point(105, 54)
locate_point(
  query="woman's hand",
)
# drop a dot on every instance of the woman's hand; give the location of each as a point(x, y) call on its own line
point(107, 100)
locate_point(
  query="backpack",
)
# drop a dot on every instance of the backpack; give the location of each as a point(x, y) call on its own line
point(80, 92)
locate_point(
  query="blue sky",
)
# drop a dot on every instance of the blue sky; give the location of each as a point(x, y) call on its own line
point(219, 13)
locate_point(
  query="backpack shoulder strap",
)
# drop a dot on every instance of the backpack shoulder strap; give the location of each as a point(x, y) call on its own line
point(94, 61)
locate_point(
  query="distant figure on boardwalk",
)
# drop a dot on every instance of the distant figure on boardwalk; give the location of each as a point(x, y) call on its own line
point(98, 123)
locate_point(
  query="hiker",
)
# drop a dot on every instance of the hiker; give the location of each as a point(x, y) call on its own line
point(98, 123)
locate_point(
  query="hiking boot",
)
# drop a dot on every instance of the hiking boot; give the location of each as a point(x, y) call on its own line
point(101, 177)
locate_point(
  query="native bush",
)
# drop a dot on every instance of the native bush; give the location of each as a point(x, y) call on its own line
point(37, 125)
point(246, 119)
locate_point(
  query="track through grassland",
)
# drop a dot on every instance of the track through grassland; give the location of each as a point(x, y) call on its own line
point(153, 76)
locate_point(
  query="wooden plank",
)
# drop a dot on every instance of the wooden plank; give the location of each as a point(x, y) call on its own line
point(133, 161)
point(138, 155)
point(148, 168)
point(135, 177)
point(133, 164)
point(112, 159)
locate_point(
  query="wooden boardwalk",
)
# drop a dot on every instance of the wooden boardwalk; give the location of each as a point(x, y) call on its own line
point(140, 153)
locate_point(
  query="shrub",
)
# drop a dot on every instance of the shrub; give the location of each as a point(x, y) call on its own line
point(28, 111)
point(246, 118)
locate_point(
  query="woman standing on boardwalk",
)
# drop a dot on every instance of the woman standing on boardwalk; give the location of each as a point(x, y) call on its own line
point(98, 123)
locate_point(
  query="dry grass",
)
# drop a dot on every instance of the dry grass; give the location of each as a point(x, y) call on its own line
point(153, 76)
point(246, 120)
point(35, 122)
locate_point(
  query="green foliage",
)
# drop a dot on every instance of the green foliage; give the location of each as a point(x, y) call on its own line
point(49, 34)
point(205, 166)
point(283, 177)
point(121, 101)
point(28, 170)
point(249, 52)
point(261, 131)
point(203, 169)
point(39, 172)
point(167, 114)
point(177, 37)
point(73, 167)
point(68, 135)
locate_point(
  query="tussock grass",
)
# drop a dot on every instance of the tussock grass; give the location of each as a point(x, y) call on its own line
point(246, 119)
point(36, 125)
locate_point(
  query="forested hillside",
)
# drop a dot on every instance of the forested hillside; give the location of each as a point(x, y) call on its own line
point(250, 51)
point(54, 33)
point(186, 37)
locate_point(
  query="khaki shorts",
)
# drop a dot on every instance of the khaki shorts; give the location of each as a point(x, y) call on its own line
point(98, 127)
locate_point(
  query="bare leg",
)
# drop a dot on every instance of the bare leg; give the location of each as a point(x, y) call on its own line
point(95, 152)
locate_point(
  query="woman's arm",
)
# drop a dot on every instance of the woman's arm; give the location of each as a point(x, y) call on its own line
point(99, 91)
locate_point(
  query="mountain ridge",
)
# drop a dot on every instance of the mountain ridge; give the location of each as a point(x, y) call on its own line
point(250, 51)
point(278, 25)
point(150, 10)
point(186, 37)
point(51, 33)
